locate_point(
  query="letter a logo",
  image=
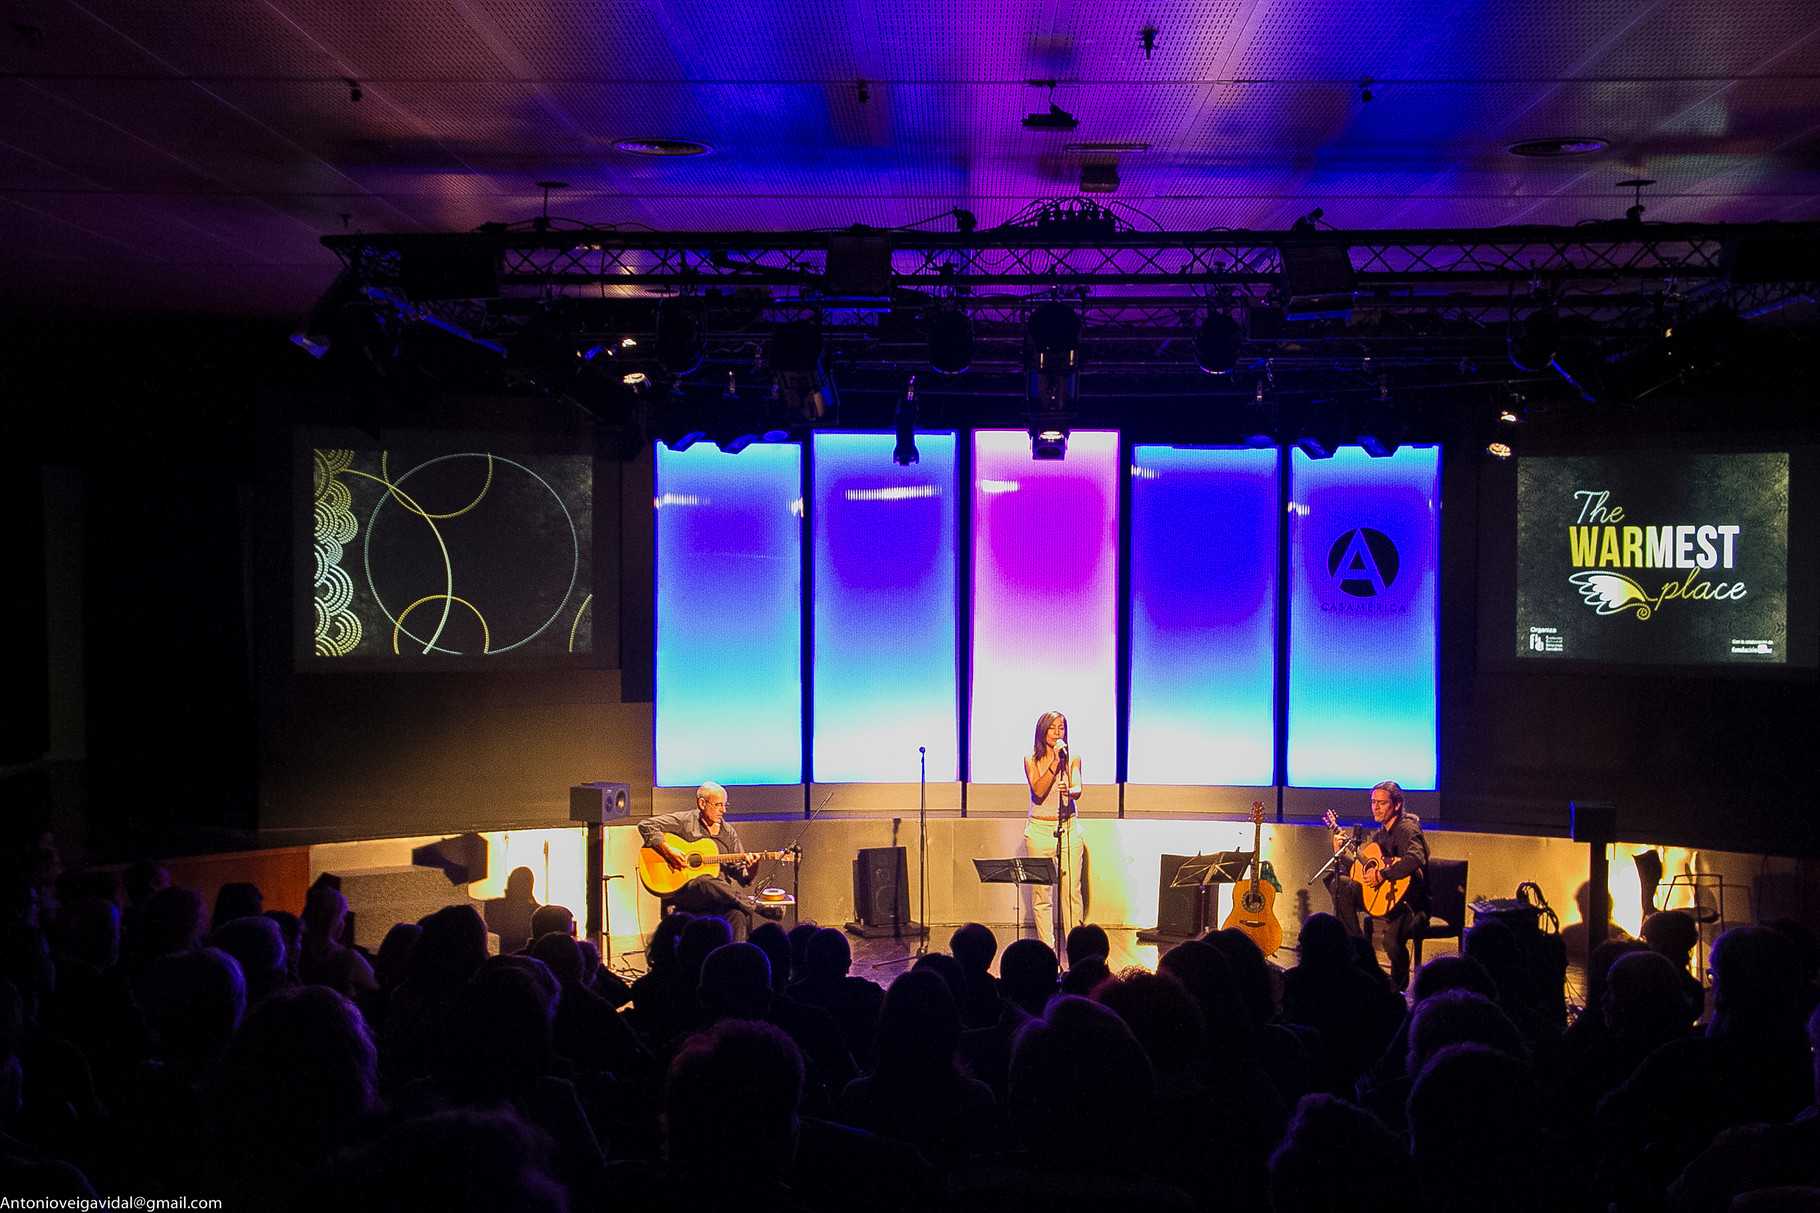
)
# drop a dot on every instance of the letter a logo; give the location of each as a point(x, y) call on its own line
point(1363, 562)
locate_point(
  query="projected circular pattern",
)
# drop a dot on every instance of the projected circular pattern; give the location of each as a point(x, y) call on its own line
point(520, 547)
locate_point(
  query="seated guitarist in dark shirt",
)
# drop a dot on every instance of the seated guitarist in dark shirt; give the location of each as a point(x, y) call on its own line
point(717, 895)
point(1405, 851)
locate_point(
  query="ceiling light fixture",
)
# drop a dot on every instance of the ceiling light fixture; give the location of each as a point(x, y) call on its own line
point(905, 453)
point(1057, 119)
point(1217, 343)
point(664, 147)
point(1538, 149)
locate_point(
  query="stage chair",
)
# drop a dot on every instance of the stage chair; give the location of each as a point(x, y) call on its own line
point(1446, 904)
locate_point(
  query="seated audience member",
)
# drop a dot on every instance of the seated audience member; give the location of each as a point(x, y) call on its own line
point(326, 961)
point(174, 919)
point(291, 927)
point(736, 984)
point(463, 1159)
point(1230, 1065)
point(1385, 1086)
point(1303, 1177)
point(769, 938)
point(1753, 1065)
point(295, 1086)
point(25, 1172)
point(1496, 946)
point(603, 981)
point(450, 950)
point(974, 946)
point(1589, 1024)
point(1643, 1009)
point(1462, 1161)
point(658, 995)
point(1674, 934)
point(139, 881)
point(756, 1069)
point(1203, 1145)
point(1459, 1017)
point(945, 967)
point(1086, 941)
point(194, 1003)
point(914, 1092)
point(1355, 1013)
point(548, 918)
point(1078, 1056)
point(1753, 1157)
point(1279, 1049)
point(1027, 982)
point(586, 1031)
point(257, 945)
point(854, 1002)
point(497, 1047)
point(390, 964)
point(237, 899)
point(90, 1005)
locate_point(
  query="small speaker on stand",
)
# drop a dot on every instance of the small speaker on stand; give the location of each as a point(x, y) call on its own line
point(597, 804)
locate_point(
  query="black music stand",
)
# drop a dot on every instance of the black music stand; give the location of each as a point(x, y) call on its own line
point(1019, 869)
point(1202, 873)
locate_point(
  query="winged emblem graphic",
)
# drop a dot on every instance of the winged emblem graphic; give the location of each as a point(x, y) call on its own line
point(1612, 593)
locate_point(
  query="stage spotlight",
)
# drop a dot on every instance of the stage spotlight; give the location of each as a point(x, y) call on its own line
point(1260, 420)
point(795, 355)
point(679, 341)
point(1534, 341)
point(1317, 279)
point(317, 332)
point(905, 453)
point(1052, 356)
point(1048, 442)
point(1324, 433)
point(950, 342)
point(1383, 434)
point(1217, 342)
point(1499, 450)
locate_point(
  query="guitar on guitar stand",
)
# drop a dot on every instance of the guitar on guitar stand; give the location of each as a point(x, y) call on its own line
point(1254, 903)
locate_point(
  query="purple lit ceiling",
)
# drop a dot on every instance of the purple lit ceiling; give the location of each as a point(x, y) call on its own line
point(190, 153)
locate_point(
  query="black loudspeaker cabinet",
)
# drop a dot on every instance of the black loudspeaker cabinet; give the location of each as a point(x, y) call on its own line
point(881, 886)
point(600, 802)
point(1178, 911)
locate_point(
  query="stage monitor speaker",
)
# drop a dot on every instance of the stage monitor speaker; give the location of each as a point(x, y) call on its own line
point(600, 802)
point(1177, 910)
point(881, 886)
point(1594, 821)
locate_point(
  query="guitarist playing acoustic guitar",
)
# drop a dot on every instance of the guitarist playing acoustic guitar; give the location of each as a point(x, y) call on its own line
point(666, 841)
point(1402, 856)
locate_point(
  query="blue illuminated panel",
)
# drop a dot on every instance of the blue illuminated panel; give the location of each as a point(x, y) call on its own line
point(1364, 573)
point(1045, 600)
point(884, 609)
point(1203, 616)
point(729, 615)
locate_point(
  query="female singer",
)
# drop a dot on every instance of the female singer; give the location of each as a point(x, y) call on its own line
point(1050, 768)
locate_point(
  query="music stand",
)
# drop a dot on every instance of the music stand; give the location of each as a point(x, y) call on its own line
point(1202, 873)
point(1018, 870)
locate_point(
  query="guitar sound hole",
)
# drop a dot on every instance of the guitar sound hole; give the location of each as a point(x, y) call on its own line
point(1253, 903)
point(695, 861)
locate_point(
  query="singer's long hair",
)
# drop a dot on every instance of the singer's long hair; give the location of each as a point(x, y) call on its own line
point(1042, 732)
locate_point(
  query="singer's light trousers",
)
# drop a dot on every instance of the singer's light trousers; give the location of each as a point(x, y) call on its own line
point(1039, 843)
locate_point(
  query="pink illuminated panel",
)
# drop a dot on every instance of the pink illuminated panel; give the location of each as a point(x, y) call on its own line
point(1045, 600)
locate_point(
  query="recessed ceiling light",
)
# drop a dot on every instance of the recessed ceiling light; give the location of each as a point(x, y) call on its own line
point(1538, 148)
point(664, 147)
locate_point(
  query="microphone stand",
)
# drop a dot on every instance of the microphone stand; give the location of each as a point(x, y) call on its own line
point(1063, 818)
point(922, 828)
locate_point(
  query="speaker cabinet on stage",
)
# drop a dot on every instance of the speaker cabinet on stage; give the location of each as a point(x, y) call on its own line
point(881, 886)
point(1178, 911)
point(600, 802)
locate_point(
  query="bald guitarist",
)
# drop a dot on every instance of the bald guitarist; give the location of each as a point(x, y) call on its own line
point(715, 894)
point(1405, 856)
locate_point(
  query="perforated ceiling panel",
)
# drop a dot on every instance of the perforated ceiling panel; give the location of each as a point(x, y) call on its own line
point(194, 154)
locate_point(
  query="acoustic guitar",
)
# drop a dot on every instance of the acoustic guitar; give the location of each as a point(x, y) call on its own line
point(700, 858)
point(1254, 902)
point(1370, 858)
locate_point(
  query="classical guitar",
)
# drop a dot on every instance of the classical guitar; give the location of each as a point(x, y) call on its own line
point(1370, 858)
point(701, 858)
point(1254, 902)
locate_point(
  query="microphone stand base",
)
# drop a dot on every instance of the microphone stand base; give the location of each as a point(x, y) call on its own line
point(887, 930)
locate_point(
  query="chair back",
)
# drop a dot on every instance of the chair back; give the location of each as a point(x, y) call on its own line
point(1447, 891)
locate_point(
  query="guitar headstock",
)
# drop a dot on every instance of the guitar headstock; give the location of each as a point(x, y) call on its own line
point(1257, 812)
point(1330, 821)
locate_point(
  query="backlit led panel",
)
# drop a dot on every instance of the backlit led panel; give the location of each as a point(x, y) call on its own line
point(1203, 616)
point(729, 615)
point(884, 609)
point(1045, 600)
point(1364, 572)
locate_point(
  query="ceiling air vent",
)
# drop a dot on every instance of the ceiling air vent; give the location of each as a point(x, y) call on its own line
point(1540, 148)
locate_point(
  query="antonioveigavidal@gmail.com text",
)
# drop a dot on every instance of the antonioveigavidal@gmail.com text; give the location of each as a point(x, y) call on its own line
point(140, 1204)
